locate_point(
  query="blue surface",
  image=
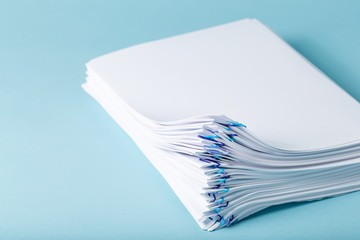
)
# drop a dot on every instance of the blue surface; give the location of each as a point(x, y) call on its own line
point(67, 171)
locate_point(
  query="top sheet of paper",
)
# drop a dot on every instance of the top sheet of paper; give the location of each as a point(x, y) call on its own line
point(241, 70)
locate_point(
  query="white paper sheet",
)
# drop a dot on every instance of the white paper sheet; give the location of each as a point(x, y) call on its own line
point(174, 97)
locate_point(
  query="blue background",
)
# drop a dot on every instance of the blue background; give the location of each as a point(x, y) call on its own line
point(67, 171)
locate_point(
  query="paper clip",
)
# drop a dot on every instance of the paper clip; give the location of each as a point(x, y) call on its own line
point(220, 201)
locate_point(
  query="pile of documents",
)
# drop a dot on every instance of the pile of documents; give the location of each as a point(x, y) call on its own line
point(233, 118)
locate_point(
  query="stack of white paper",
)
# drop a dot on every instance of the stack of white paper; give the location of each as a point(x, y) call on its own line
point(181, 98)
